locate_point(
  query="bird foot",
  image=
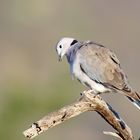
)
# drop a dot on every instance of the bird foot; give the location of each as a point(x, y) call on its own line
point(90, 91)
point(99, 93)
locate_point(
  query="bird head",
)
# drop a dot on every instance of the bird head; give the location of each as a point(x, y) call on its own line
point(63, 45)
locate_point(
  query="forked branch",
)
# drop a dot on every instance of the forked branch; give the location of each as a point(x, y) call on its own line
point(88, 102)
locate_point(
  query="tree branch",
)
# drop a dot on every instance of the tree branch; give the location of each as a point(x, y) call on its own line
point(88, 102)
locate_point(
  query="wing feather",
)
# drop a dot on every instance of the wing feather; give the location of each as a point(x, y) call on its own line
point(102, 65)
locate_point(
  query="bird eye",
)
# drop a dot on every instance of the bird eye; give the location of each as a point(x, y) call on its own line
point(60, 46)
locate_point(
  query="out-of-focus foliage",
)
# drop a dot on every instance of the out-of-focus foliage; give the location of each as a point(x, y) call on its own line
point(33, 83)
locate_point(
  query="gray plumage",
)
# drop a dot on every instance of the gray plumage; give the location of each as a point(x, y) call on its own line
point(96, 67)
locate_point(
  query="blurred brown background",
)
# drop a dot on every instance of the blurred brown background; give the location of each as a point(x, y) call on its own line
point(33, 83)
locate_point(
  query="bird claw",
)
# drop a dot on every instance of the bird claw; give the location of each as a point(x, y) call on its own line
point(87, 91)
point(99, 93)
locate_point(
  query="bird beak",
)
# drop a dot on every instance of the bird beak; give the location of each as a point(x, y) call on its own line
point(59, 58)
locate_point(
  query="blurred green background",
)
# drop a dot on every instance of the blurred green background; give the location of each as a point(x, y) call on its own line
point(33, 83)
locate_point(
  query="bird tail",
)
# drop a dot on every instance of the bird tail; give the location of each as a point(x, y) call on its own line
point(134, 98)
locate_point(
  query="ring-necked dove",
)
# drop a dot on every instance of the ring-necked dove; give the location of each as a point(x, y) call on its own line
point(96, 67)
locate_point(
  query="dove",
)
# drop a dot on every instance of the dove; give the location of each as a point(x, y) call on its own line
point(97, 67)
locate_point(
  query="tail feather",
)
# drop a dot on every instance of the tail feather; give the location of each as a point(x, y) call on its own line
point(135, 102)
point(134, 98)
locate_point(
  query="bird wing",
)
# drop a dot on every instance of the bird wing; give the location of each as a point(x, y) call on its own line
point(101, 64)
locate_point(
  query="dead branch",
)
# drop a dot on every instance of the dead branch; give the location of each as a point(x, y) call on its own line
point(88, 102)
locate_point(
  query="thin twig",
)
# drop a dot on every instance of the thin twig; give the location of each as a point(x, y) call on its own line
point(114, 134)
point(88, 102)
